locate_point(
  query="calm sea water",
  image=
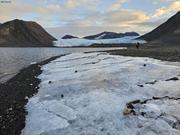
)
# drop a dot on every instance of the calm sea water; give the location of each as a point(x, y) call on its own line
point(14, 59)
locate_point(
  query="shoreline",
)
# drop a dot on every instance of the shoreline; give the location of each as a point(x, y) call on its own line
point(14, 96)
point(164, 53)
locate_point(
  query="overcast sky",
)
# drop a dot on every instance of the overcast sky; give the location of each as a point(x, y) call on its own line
point(85, 17)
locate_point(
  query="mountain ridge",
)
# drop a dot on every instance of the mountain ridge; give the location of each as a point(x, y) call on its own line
point(110, 35)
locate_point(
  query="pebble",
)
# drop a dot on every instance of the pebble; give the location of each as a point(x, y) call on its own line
point(127, 111)
point(177, 126)
point(50, 82)
point(140, 85)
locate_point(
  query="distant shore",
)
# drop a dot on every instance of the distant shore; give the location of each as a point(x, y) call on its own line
point(161, 52)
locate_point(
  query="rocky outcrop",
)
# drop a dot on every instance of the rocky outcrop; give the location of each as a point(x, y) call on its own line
point(24, 34)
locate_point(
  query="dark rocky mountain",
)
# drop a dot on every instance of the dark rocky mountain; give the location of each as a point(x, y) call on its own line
point(111, 35)
point(168, 32)
point(24, 33)
point(68, 37)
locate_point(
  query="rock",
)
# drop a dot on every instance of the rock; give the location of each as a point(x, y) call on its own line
point(37, 87)
point(50, 82)
point(152, 82)
point(144, 65)
point(75, 71)
point(127, 111)
point(177, 126)
point(140, 85)
point(173, 79)
point(102, 129)
point(62, 95)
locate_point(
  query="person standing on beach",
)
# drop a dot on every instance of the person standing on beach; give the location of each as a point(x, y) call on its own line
point(137, 45)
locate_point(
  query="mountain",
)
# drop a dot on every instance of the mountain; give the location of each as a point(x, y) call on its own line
point(24, 33)
point(168, 32)
point(111, 35)
point(68, 37)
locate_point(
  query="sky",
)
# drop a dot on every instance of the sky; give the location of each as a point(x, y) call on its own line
point(86, 17)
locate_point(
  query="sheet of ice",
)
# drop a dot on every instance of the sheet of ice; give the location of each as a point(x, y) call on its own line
point(86, 42)
point(89, 92)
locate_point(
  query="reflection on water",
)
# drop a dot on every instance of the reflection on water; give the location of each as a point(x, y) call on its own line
point(14, 59)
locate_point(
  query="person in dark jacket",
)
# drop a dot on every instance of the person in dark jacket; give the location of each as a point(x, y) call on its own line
point(137, 45)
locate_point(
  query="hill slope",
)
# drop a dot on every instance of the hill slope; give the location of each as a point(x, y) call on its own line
point(168, 32)
point(24, 33)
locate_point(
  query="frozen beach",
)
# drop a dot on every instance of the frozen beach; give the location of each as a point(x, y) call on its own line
point(87, 94)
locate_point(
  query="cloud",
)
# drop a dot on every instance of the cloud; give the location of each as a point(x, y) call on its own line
point(173, 7)
point(117, 5)
point(84, 15)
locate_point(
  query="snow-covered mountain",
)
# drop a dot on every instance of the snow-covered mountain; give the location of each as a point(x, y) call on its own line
point(111, 35)
point(87, 42)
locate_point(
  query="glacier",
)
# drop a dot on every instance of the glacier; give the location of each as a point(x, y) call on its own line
point(87, 42)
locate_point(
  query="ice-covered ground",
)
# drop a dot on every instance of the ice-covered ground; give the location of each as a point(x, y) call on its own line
point(88, 94)
point(86, 42)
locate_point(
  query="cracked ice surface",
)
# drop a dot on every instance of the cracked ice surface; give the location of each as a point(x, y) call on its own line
point(95, 89)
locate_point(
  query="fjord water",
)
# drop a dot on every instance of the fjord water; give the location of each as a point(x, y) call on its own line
point(14, 59)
